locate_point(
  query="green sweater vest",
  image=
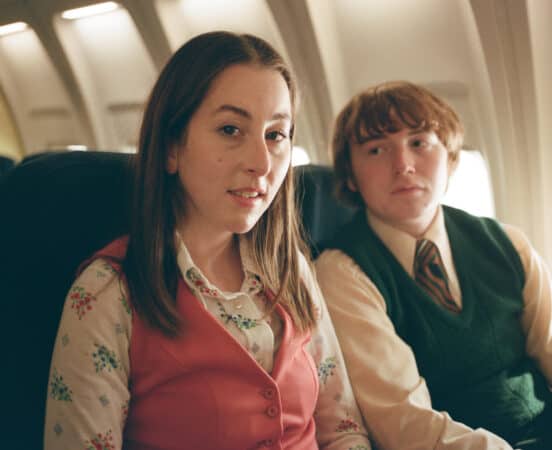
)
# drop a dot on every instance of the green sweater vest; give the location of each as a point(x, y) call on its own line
point(474, 362)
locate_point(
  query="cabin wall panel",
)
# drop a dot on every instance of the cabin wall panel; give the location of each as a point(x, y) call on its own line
point(10, 139)
point(294, 21)
point(540, 25)
point(504, 33)
point(125, 122)
point(113, 67)
point(391, 40)
point(33, 85)
point(183, 20)
point(323, 14)
point(484, 118)
point(56, 128)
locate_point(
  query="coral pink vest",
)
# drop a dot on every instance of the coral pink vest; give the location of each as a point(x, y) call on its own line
point(203, 390)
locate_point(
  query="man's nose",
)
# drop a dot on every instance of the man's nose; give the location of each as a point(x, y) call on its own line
point(403, 159)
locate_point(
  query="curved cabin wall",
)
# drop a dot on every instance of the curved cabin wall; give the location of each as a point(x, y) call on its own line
point(541, 35)
point(10, 141)
point(489, 58)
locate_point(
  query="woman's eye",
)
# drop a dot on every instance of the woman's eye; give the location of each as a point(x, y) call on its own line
point(229, 130)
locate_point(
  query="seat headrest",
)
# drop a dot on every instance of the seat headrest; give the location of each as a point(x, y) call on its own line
point(57, 209)
point(320, 211)
point(5, 164)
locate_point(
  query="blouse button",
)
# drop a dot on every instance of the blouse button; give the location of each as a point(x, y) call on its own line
point(269, 393)
point(272, 411)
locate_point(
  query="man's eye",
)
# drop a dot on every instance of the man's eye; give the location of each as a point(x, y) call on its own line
point(375, 151)
point(229, 130)
point(276, 136)
point(419, 143)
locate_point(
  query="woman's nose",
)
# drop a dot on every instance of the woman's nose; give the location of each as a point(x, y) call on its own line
point(257, 157)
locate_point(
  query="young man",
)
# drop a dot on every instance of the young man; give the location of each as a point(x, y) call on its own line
point(444, 318)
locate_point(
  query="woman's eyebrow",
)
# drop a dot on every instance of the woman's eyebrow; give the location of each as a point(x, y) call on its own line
point(235, 109)
point(244, 113)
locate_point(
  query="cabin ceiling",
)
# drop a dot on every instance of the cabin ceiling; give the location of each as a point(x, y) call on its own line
point(85, 82)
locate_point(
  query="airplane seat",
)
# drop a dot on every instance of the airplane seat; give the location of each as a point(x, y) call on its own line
point(320, 211)
point(6, 164)
point(58, 208)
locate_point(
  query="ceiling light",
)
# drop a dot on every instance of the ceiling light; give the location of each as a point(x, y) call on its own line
point(87, 11)
point(11, 28)
point(77, 148)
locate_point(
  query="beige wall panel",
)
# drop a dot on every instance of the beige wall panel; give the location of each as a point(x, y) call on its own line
point(10, 142)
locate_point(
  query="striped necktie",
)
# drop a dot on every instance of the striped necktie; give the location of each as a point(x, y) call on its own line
point(430, 274)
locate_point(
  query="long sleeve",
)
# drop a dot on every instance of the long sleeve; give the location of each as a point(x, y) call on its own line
point(393, 397)
point(338, 420)
point(536, 319)
point(88, 391)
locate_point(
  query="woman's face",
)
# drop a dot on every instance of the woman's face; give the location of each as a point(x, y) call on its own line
point(235, 153)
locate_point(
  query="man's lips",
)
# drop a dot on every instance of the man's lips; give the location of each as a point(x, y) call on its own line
point(407, 188)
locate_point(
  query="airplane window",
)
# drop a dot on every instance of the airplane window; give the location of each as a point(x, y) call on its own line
point(470, 185)
point(299, 156)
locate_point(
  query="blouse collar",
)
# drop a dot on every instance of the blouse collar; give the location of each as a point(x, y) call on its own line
point(194, 277)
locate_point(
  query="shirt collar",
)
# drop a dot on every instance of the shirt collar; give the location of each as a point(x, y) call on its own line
point(403, 245)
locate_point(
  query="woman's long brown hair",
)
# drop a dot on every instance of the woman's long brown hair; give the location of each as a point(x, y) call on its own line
point(150, 264)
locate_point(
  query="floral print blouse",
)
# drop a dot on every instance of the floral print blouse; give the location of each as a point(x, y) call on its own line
point(88, 393)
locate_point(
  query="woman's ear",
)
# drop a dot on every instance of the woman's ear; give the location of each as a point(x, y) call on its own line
point(172, 159)
point(351, 184)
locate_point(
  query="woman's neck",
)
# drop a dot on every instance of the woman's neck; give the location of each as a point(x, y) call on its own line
point(218, 257)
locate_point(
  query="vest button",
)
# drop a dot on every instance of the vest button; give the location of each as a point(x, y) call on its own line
point(269, 394)
point(272, 411)
point(268, 443)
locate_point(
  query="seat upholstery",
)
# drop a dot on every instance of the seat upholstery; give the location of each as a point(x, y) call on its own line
point(320, 212)
point(57, 209)
point(5, 164)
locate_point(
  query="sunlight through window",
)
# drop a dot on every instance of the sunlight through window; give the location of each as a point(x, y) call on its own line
point(299, 156)
point(470, 185)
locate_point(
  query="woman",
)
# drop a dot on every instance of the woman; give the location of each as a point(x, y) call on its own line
point(194, 332)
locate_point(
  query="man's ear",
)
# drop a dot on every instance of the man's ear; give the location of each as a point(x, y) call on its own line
point(172, 159)
point(452, 163)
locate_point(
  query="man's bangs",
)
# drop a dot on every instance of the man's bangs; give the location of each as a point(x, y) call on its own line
point(389, 114)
